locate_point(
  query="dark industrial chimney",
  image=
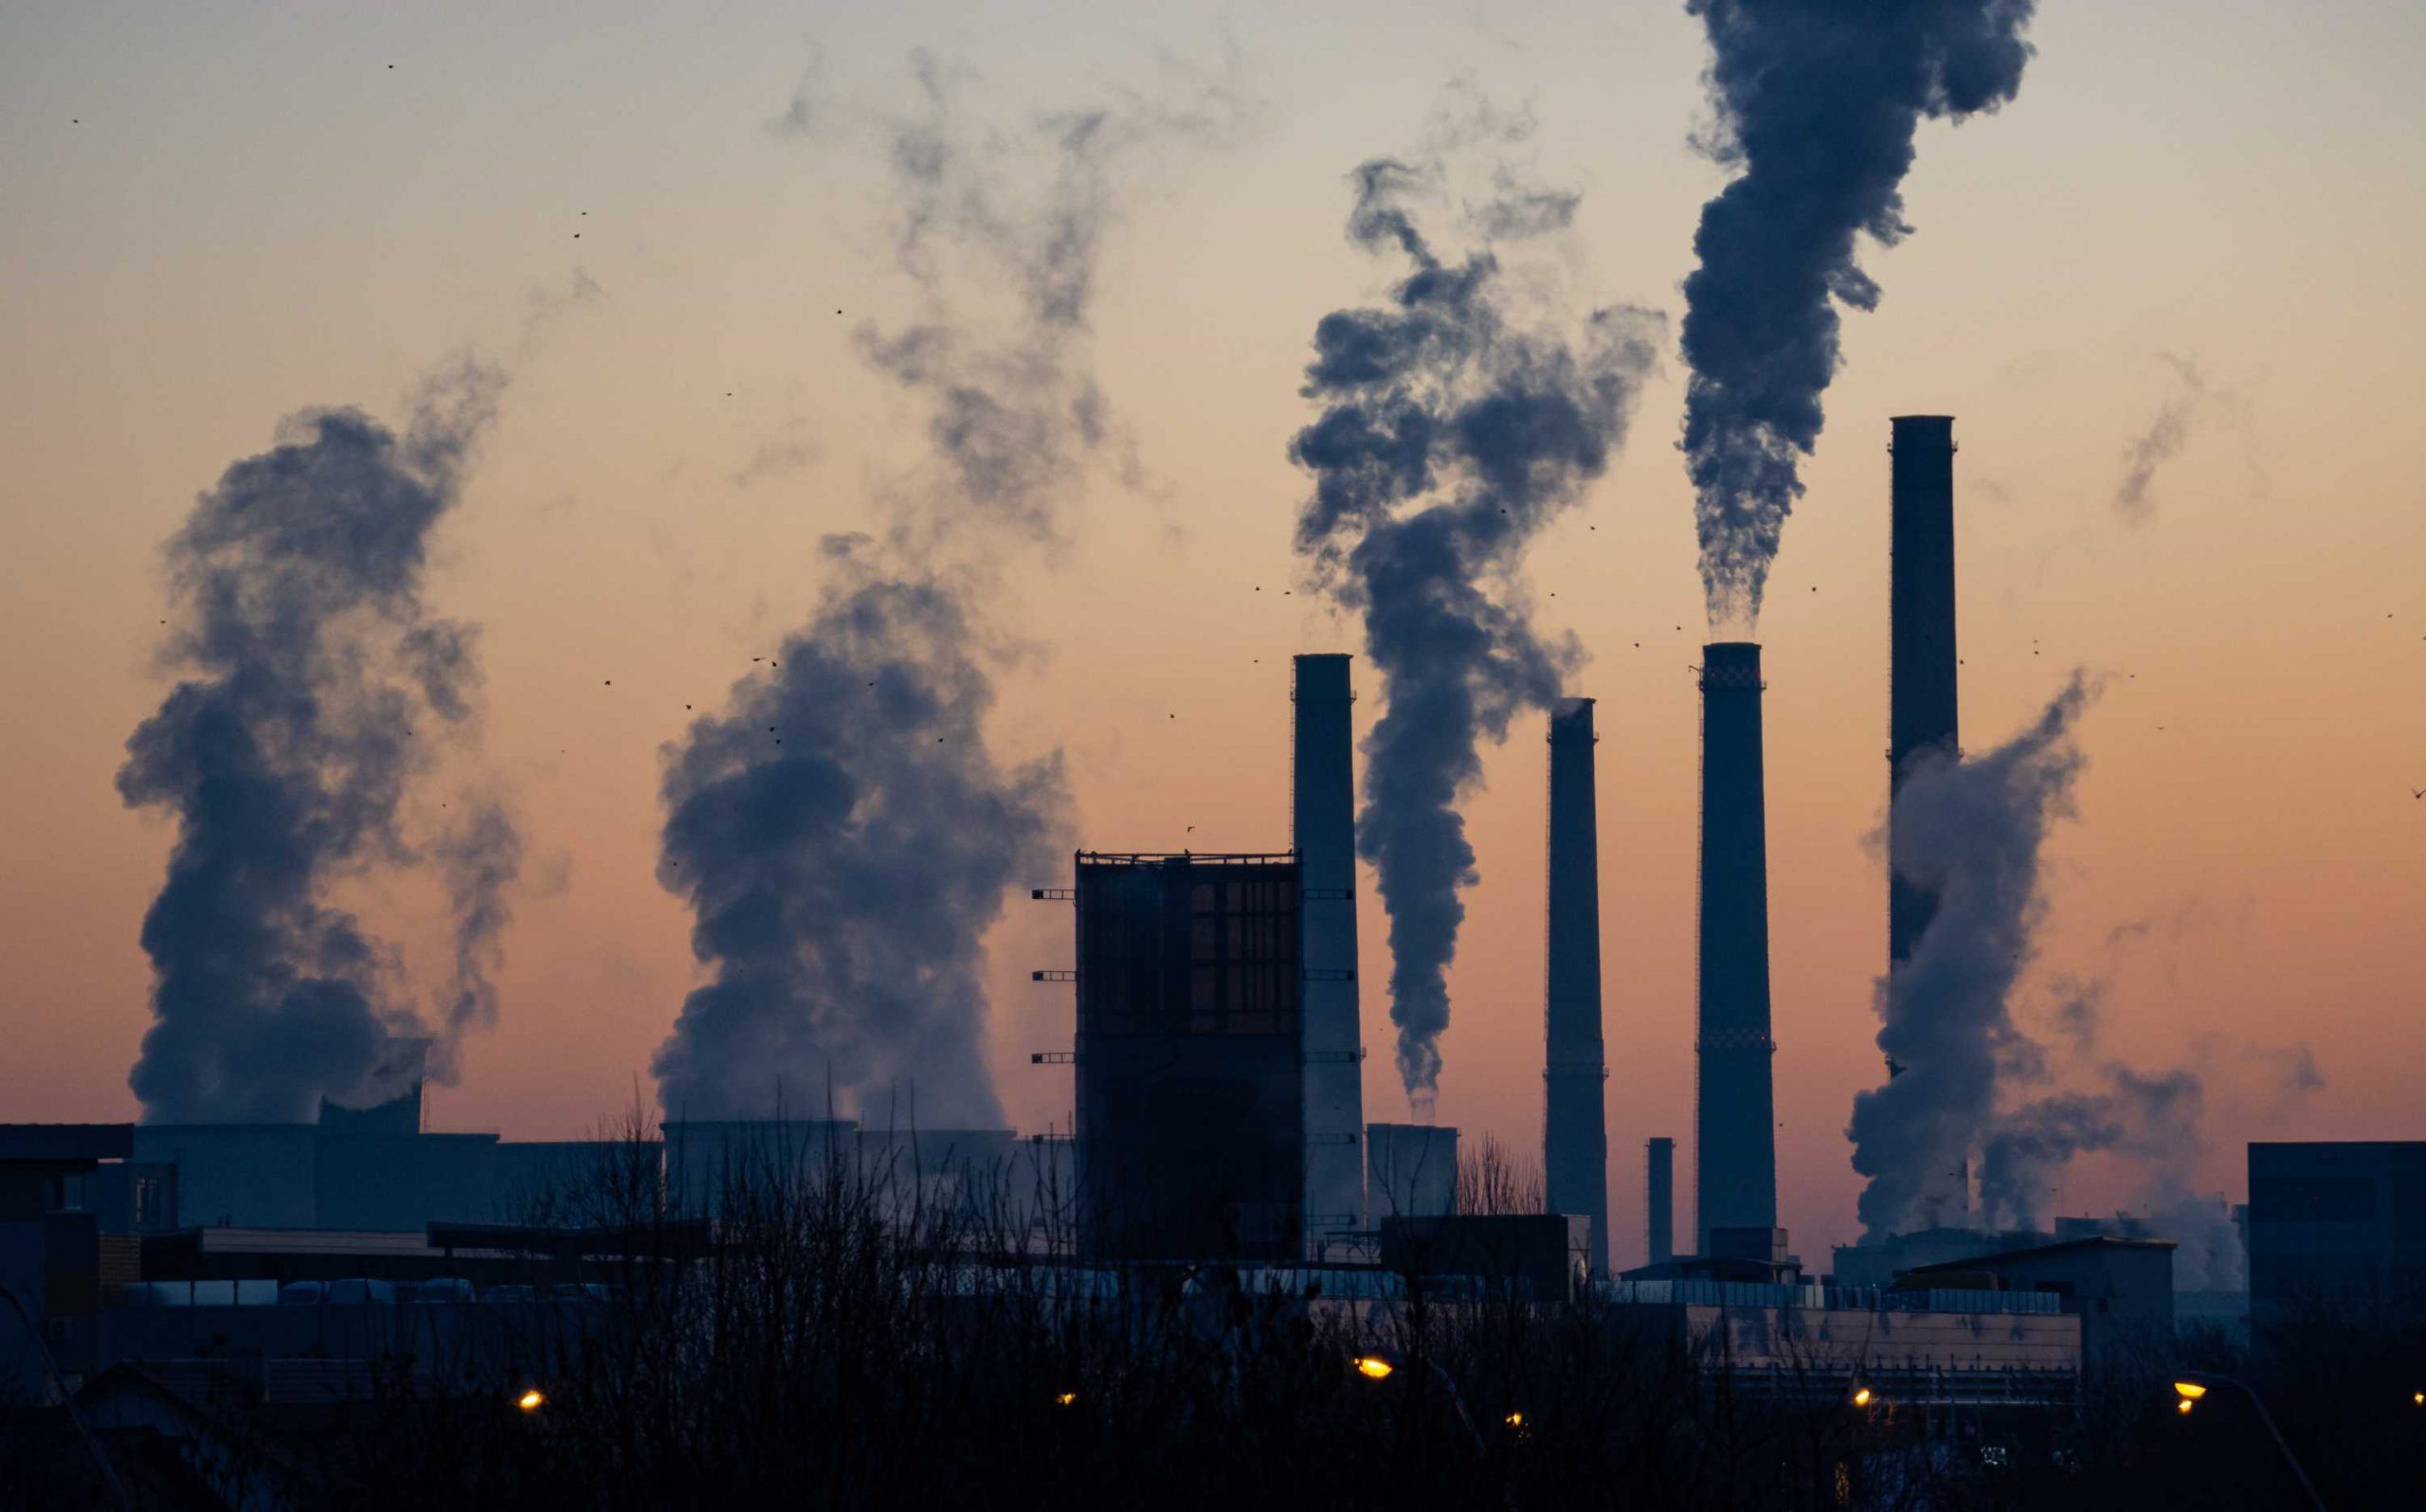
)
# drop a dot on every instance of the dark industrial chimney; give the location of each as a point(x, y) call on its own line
point(1921, 713)
point(1921, 708)
point(1575, 1142)
point(1323, 818)
point(1735, 1133)
point(1660, 1196)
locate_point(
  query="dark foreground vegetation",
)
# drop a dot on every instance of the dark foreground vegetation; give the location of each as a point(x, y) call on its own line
point(847, 1339)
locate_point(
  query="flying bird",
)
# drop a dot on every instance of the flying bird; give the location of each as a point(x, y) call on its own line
point(2417, 792)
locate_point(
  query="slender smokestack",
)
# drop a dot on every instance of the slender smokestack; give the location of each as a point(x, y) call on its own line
point(1660, 1196)
point(1734, 1131)
point(1923, 706)
point(1575, 1142)
point(1323, 797)
point(1922, 710)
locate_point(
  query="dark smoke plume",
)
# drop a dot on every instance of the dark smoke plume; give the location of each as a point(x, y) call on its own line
point(1455, 424)
point(1817, 103)
point(841, 832)
point(843, 880)
point(318, 690)
point(1969, 831)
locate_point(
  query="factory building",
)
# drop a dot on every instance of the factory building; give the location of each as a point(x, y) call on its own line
point(1575, 1139)
point(1190, 1057)
point(368, 1170)
point(2337, 1224)
point(1412, 1170)
point(1735, 1178)
point(2120, 1289)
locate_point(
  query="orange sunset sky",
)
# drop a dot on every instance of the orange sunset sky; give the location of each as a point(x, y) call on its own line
point(214, 220)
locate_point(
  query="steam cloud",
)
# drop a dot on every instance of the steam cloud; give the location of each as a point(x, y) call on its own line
point(1455, 424)
point(840, 831)
point(1969, 831)
point(2184, 404)
point(1817, 104)
point(317, 692)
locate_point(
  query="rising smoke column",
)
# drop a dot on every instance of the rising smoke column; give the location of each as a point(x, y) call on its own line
point(841, 832)
point(1970, 831)
point(317, 689)
point(1454, 428)
point(843, 880)
point(1817, 102)
point(1971, 1083)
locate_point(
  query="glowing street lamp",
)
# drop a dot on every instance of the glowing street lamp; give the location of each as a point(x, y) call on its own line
point(530, 1401)
point(1064, 1398)
point(1861, 1397)
point(2194, 1384)
point(1373, 1367)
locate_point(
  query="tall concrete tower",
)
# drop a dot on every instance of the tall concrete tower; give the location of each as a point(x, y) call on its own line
point(1323, 806)
point(1735, 1131)
point(1575, 1141)
point(1659, 1196)
point(1922, 705)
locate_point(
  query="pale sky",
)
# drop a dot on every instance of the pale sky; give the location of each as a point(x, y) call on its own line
point(218, 215)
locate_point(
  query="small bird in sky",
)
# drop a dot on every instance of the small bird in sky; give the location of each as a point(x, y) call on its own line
point(2417, 792)
point(610, 682)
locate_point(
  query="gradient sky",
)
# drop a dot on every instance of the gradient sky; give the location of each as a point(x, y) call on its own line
point(217, 215)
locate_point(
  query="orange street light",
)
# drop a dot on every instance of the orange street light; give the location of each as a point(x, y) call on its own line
point(1861, 1397)
point(1065, 1398)
point(1373, 1367)
point(532, 1400)
point(2193, 1384)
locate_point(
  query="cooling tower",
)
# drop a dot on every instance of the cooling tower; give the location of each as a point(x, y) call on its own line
point(1922, 705)
point(1659, 1196)
point(1323, 818)
point(1575, 1143)
point(1735, 1169)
